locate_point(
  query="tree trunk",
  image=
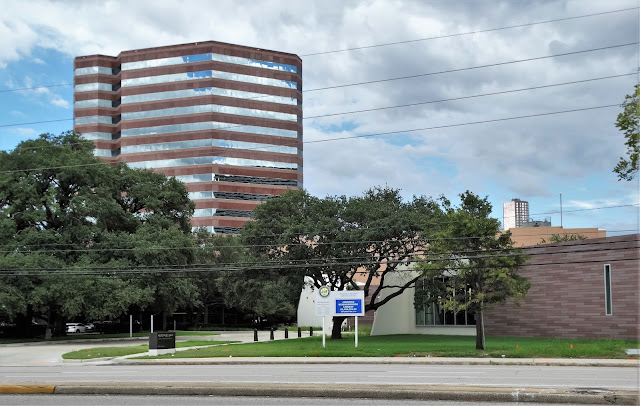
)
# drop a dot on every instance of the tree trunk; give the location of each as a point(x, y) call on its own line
point(164, 321)
point(336, 331)
point(479, 330)
point(23, 323)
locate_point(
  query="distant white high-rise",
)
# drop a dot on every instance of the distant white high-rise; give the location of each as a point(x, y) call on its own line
point(515, 213)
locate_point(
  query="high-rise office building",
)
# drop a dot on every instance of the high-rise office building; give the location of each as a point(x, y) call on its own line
point(515, 213)
point(225, 119)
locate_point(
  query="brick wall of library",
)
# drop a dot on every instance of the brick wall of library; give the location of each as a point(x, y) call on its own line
point(567, 295)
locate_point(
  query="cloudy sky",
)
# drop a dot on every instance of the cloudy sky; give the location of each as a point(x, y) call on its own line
point(387, 88)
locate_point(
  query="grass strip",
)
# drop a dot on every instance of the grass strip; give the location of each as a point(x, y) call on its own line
point(111, 352)
point(421, 346)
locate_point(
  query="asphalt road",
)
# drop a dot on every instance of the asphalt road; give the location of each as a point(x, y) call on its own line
point(322, 374)
point(71, 400)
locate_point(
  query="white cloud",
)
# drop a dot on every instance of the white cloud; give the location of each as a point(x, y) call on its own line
point(29, 88)
point(600, 203)
point(25, 132)
point(59, 102)
point(532, 157)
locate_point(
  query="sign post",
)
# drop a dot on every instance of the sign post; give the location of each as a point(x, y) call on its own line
point(323, 307)
point(339, 303)
point(349, 303)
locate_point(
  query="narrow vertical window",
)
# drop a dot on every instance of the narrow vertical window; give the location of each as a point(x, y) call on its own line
point(608, 305)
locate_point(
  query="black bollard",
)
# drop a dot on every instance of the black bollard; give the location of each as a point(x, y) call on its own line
point(255, 334)
point(286, 332)
point(271, 334)
point(310, 331)
point(299, 332)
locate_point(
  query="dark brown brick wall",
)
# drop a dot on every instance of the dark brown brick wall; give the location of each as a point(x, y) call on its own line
point(567, 296)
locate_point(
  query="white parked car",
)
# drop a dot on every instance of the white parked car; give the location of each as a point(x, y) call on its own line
point(76, 328)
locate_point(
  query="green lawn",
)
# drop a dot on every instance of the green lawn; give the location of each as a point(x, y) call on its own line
point(421, 346)
point(109, 352)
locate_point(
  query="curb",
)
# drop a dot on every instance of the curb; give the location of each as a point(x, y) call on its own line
point(27, 389)
point(396, 392)
point(378, 360)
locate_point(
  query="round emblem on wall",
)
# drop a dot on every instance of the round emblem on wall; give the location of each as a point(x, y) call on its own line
point(324, 291)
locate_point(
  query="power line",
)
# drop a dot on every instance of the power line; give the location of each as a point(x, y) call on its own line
point(421, 239)
point(464, 124)
point(402, 77)
point(35, 122)
point(468, 33)
point(400, 42)
point(470, 68)
point(34, 88)
point(289, 266)
point(399, 106)
point(470, 97)
point(384, 133)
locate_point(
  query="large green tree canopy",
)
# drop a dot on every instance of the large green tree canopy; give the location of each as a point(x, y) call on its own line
point(343, 242)
point(471, 254)
point(71, 225)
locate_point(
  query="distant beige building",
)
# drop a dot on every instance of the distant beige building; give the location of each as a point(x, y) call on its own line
point(527, 236)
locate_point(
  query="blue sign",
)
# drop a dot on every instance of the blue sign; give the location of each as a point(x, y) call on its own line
point(349, 306)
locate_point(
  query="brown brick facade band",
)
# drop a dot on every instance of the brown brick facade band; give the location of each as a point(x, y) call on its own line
point(172, 108)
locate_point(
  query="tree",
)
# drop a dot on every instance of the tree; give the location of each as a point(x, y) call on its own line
point(628, 123)
point(563, 238)
point(470, 253)
point(75, 232)
point(344, 243)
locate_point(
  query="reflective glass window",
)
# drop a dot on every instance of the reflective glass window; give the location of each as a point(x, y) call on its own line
point(226, 230)
point(257, 180)
point(205, 91)
point(229, 195)
point(236, 60)
point(166, 163)
point(92, 103)
point(221, 213)
point(97, 136)
point(92, 70)
point(608, 303)
point(208, 125)
point(178, 77)
point(209, 108)
point(166, 146)
point(207, 228)
point(202, 177)
point(218, 230)
point(208, 177)
point(93, 120)
point(200, 195)
point(92, 86)
point(105, 152)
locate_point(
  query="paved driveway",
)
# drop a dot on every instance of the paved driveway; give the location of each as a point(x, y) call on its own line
point(50, 352)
